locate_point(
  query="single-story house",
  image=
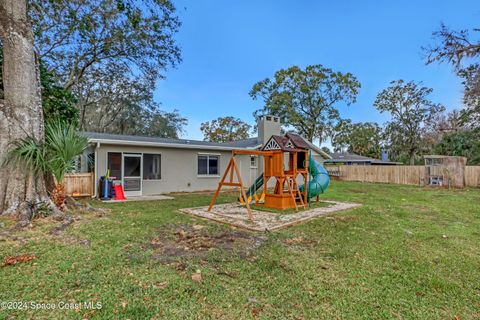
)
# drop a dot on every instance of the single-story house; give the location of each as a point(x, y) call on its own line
point(352, 159)
point(151, 165)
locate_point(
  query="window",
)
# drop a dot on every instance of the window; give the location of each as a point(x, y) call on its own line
point(85, 162)
point(91, 162)
point(253, 161)
point(114, 164)
point(208, 165)
point(152, 164)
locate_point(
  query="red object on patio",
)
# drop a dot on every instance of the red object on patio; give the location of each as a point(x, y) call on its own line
point(119, 195)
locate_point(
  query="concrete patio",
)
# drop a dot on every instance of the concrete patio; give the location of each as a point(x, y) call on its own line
point(141, 198)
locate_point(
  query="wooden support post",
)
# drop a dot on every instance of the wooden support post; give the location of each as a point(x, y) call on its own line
point(231, 172)
point(232, 165)
point(264, 183)
point(220, 184)
point(239, 177)
point(305, 187)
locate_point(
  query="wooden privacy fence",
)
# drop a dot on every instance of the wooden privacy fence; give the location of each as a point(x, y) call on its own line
point(472, 176)
point(413, 175)
point(79, 184)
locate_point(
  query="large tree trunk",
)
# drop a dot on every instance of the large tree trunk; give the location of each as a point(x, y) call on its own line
point(412, 158)
point(21, 111)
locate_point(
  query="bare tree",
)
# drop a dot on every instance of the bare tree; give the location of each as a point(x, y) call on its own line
point(20, 111)
point(461, 49)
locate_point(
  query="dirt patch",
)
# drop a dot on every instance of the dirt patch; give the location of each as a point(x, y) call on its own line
point(300, 241)
point(190, 241)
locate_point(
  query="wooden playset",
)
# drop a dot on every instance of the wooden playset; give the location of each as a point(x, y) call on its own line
point(285, 159)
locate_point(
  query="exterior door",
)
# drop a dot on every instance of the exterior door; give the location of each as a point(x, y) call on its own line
point(132, 174)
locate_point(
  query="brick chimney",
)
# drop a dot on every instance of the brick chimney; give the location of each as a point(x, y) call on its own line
point(268, 126)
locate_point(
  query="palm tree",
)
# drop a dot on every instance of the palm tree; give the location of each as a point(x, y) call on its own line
point(55, 156)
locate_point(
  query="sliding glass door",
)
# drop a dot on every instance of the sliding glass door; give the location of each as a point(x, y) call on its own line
point(132, 174)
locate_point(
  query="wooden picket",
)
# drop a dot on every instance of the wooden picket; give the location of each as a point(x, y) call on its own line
point(412, 175)
point(79, 184)
point(472, 176)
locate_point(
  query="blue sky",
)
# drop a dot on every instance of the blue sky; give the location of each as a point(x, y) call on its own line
point(227, 46)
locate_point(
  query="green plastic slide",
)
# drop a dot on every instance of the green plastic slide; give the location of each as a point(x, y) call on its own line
point(319, 178)
point(255, 186)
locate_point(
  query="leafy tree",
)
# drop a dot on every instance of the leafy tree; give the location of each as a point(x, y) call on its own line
point(463, 143)
point(225, 129)
point(455, 47)
point(411, 111)
point(364, 138)
point(124, 106)
point(76, 36)
point(57, 102)
point(306, 99)
point(109, 54)
point(164, 124)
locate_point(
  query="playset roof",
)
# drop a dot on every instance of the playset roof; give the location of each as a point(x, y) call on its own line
point(286, 143)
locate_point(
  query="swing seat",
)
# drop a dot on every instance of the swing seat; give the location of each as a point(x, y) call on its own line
point(249, 199)
point(261, 198)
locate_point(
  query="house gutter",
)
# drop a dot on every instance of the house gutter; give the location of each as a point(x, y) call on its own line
point(95, 171)
point(161, 144)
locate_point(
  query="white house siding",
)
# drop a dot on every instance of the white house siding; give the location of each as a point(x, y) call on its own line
point(178, 168)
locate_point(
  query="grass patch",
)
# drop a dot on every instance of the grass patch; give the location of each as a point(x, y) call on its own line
point(406, 253)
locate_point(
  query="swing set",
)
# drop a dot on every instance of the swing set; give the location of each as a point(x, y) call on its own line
point(283, 160)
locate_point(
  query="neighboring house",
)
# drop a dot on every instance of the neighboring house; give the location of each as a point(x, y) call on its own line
point(352, 159)
point(149, 165)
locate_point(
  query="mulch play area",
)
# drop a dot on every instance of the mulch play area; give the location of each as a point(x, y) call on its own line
point(235, 214)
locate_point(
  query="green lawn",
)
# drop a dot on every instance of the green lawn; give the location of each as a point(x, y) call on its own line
point(407, 253)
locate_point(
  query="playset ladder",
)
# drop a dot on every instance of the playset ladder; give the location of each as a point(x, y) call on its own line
point(294, 189)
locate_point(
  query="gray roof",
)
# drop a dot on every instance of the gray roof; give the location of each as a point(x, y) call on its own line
point(352, 157)
point(246, 143)
point(153, 141)
point(318, 150)
point(255, 142)
point(121, 139)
